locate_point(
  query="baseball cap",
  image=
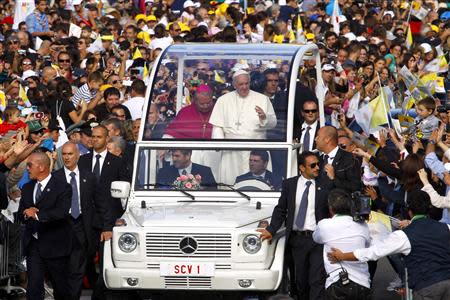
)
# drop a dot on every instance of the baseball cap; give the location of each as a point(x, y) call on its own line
point(426, 47)
point(34, 126)
point(189, 3)
point(76, 2)
point(328, 67)
point(150, 18)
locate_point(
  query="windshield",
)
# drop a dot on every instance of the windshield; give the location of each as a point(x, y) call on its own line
point(209, 169)
point(204, 96)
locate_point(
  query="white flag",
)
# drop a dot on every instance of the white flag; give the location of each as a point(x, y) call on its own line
point(22, 10)
point(363, 116)
point(335, 17)
point(353, 105)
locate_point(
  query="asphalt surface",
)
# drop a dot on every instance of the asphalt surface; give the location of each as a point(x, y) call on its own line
point(383, 276)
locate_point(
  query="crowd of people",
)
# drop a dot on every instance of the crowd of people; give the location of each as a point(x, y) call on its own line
point(73, 80)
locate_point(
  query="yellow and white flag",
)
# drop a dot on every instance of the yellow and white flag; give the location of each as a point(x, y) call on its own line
point(409, 38)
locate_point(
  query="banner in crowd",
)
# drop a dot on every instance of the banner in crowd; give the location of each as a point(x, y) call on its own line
point(22, 10)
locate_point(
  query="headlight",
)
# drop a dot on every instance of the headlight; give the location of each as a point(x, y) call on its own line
point(127, 242)
point(251, 243)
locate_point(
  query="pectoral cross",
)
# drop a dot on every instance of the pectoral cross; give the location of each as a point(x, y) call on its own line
point(204, 129)
point(238, 124)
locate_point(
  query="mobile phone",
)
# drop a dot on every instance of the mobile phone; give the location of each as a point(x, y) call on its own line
point(38, 115)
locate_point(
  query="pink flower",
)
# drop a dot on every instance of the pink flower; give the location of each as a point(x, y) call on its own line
point(190, 176)
point(188, 185)
point(198, 177)
point(183, 177)
point(178, 178)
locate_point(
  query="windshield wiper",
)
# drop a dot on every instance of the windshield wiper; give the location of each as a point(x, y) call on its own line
point(180, 190)
point(235, 190)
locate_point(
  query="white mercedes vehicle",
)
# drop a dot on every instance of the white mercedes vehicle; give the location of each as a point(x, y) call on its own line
point(197, 198)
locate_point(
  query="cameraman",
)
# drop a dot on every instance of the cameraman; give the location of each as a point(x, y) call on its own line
point(348, 281)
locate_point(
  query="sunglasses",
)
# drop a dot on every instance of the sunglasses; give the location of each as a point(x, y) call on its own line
point(314, 165)
point(26, 63)
point(64, 60)
point(116, 81)
point(343, 146)
point(310, 111)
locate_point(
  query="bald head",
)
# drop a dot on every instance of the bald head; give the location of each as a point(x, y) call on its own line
point(327, 139)
point(38, 166)
point(70, 155)
point(48, 73)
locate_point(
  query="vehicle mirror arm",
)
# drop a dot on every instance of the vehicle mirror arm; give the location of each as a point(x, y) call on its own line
point(235, 190)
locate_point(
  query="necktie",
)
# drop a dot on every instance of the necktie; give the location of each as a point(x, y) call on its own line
point(184, 172)
point(97, 166)
point(300, 220)
point(38, 193)
point(325, 159)
point(74, 208)
point(306, 139)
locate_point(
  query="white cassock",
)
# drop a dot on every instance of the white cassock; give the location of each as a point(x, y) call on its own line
point(234, 117)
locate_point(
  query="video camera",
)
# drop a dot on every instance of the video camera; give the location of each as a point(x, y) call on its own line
point(360, 207)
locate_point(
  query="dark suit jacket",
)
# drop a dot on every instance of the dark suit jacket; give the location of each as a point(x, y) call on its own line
point(92, 204)
point(298, 132)
point(114, 169)
point(347, 170)
point(53, 226)
point(285, 209)
point(280, 106)
point(268, 178)
point(167, 175)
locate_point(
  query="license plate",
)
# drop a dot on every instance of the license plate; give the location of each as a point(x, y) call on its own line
point(186, 269)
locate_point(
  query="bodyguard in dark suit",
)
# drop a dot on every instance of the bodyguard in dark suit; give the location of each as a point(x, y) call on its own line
point(339, 169)
point(257, 164)
point(107, 168)
point(302, 204)
point(182, 165)
point(44, 209)
point(307, 131)
point(87, 207)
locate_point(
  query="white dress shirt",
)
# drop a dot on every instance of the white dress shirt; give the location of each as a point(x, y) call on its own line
point(343, 233)
point(312, 134)
point(436, 199)
point(332, 155)
point(77, 178)
point(188, 170)
point(310, 219)
point(102, 159)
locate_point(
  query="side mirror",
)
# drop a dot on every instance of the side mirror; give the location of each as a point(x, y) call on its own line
point(120, 189)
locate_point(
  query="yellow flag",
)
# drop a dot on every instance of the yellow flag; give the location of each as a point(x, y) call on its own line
point(217, 77)
point(409, 38)
point(2, 101)
point(24, 97)
point(299, 24)
point(379, 108)
point(145, 70)
point(137, 54)
point(376, 217)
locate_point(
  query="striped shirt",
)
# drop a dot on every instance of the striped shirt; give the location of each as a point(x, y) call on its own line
point(83, 93)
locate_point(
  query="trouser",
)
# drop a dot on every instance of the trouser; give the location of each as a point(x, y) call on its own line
point(350, 291)
point(309, 269)
point(56, 267)
point(78, 258)
point(437, 291)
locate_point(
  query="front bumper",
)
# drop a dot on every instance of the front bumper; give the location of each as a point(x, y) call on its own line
point(223, 280)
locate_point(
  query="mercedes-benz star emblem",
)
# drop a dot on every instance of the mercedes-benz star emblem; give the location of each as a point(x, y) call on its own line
point(188, 245)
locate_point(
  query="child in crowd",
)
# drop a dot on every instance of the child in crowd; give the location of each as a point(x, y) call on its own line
point(426, 121)
point(88, 91)
point(12, 121)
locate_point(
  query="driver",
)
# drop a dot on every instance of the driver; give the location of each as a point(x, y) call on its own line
point(182, 165)
point(257, 165)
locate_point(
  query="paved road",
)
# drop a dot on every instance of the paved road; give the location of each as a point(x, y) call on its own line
point(383, 276)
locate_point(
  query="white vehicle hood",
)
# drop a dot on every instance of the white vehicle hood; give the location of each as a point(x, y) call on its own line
point(200, 215)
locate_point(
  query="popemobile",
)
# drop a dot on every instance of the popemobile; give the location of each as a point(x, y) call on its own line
point(203, 184)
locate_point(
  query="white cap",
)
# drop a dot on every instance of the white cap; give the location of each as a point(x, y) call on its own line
point(149, 1)
point(361, 39)
point(28, 73)
point(426, 47)
point(351, 36)
point(328, 67)
point(76, 2)
point(189, 3)
point(389, 12)
point(240, 72)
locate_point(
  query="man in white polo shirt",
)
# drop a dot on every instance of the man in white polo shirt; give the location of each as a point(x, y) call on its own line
point(136, 104)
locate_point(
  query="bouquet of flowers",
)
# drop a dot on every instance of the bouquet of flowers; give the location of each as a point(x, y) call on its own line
point(188, 182)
